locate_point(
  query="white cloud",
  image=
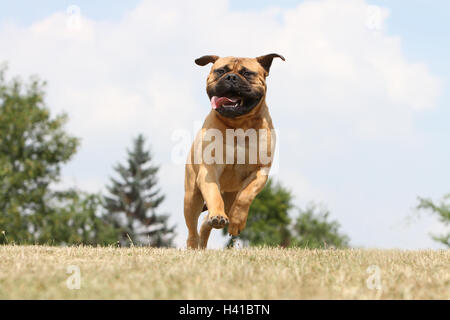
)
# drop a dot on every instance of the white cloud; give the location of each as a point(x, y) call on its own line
point(345, 81)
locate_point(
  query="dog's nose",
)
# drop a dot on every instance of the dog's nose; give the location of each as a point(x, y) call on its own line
point(231, 77)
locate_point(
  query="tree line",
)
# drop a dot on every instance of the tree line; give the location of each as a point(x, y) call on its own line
point(34, 146)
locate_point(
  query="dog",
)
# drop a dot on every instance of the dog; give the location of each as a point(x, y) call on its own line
point(227, 185)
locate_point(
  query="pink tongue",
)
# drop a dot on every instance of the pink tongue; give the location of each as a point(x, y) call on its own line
point(217, 102)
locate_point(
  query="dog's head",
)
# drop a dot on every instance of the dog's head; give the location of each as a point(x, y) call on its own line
point(236, 86)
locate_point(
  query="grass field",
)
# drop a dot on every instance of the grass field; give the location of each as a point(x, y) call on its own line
point(38, 272)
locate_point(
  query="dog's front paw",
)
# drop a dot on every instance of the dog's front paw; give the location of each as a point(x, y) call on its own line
point(218, 222)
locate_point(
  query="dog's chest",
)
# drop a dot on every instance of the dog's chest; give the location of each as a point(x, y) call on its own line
point(233, 176)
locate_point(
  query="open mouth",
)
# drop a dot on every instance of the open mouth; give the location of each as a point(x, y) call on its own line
point(232, 104)
point(226, 102)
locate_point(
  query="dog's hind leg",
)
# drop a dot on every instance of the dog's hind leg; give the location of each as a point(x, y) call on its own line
point(228, 200)
point(193, 204)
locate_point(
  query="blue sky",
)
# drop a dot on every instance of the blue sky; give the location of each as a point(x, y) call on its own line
point(422, 25)
point(377, 173)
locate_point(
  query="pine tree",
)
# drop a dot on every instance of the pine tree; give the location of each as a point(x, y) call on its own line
point(442, 211)
point(134, 198)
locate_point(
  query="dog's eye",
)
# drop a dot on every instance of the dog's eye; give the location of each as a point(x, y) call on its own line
point(247, 74)
point(219, 71)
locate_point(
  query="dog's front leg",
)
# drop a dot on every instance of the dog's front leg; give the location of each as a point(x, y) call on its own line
point(239, 211)
point(208, 183)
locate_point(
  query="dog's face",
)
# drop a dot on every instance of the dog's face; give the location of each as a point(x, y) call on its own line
point(236, 86)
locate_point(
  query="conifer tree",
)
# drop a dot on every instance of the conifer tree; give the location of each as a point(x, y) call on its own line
point(134, 198)
point(442, 211)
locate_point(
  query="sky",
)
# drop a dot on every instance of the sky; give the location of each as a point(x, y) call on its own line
point(361, 104)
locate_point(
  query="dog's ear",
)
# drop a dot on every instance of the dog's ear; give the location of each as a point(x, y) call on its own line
point(266, 61)
point(203, 61)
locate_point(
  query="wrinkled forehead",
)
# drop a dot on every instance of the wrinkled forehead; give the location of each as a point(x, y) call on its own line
point(235, 63)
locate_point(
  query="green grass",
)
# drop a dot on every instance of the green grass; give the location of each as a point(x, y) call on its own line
point(39, 272)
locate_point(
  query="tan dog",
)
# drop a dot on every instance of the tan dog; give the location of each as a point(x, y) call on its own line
point(217, 177)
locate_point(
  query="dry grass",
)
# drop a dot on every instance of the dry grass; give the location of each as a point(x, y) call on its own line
point(37, 272)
